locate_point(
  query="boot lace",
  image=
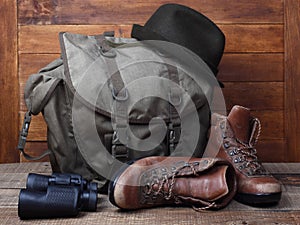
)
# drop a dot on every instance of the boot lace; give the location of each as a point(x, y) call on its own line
point(245, 154)
point(168, 181)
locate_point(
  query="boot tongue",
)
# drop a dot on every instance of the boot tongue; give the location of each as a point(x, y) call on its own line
point(239, 120)
point(209, 186)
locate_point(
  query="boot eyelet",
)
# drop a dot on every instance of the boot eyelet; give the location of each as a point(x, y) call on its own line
point(222, 125)
point(231, 153)
point(147, 189)
point(226, 145)
point(154, 197)
point(224, 136)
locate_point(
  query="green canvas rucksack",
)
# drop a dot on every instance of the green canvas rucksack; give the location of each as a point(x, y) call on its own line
point(110, 100)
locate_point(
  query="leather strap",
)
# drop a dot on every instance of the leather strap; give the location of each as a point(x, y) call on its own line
point(119, 92)
point(174, 100)
point(116, 81)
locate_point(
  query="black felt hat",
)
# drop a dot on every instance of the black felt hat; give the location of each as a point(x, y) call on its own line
point(184, 26)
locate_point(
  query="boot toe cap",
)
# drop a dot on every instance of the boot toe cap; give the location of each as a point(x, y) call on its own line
point(259, 185)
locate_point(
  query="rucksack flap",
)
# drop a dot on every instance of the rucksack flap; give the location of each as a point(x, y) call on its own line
point(142, 70)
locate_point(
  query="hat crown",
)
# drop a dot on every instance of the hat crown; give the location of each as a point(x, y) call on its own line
point(185, 26)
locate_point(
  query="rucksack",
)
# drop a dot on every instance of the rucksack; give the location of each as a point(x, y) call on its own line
point(108, 100)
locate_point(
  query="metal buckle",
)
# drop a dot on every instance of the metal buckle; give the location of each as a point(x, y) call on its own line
point(24, 132)
point(111, 53)
point(171, 138)
point(119, 97)
point(174, 99)
point(116, 146)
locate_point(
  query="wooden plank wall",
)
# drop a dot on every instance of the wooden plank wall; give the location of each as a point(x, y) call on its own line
point(9, 88)
point(252, 68)
point(292, 78)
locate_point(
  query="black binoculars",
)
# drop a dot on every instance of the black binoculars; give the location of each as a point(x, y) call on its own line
point(58, 195)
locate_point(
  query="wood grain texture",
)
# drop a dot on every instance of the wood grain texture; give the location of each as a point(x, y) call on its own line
point(13, 178)
point(292, 78)
point(35, 148)
point(253, 38)
point(162, 216)
point(9, 95)
point(254, 95)
point(272, 150)
point(44, 39)
point(251, 67)
point(25, 168)
point(129, 12)
point(32, 63)
point(263, 38)
point(272, 123)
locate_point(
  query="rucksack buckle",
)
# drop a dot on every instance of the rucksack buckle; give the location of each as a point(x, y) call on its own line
point(173, 136)
point(118, 150)
point(24, 132)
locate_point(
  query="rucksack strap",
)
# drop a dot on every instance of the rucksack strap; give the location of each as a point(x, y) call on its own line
point(23, 137)
point(116, 82)
point(119, 92)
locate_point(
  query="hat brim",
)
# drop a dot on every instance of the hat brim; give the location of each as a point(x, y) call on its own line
point(142, 33)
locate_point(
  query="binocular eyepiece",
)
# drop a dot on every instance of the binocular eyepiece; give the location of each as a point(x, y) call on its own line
point(58, 195)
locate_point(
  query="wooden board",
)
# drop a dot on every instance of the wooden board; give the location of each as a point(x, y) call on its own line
point(9, 95)
point(129, 12)
point(251, 67)
point(35, 149)
point(254, 95)
point(13, 177)
point(161, 216)
point(240, 38)
point(272, 151)
point(292, 80)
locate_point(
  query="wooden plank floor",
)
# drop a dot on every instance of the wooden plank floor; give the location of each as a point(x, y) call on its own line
point(13, 177)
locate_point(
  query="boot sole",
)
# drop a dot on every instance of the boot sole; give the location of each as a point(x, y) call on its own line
point(114, 180)
point(260, 200)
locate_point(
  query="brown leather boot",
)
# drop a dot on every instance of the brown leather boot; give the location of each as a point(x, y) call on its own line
point(234, 138)
point(158, 180)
